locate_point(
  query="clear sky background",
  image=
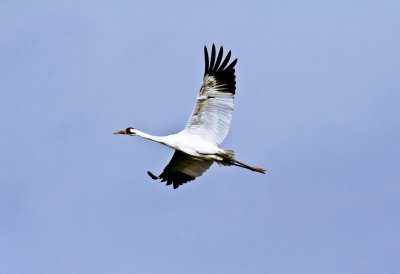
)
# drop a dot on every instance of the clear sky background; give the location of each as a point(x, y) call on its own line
point(318, 105)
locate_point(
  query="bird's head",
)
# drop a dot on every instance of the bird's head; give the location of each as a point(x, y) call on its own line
point(128, 131)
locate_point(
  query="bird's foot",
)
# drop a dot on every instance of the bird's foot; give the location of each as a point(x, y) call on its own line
point(258, 169)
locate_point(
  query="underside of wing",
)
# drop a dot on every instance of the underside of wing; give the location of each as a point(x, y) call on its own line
point(212, 114)
point(181, 169)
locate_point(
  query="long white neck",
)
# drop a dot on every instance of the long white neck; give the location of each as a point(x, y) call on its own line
point(165, 140)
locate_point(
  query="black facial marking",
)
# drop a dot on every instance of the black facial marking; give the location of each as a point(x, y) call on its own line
point(129, 130)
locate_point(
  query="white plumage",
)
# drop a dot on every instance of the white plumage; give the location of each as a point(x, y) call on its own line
point(212, 114)
point(196, 146)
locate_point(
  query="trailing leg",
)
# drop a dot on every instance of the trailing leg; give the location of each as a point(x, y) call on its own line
point(229, 160)
point(256, 169)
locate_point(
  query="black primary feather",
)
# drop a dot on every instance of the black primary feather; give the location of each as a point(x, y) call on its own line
point(225, 76)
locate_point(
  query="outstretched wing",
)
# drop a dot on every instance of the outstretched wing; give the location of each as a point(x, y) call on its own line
point(181, 169)
point(212, 114)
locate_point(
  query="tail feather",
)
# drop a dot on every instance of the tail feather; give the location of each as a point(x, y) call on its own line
point(229, 153)
point(228, 156)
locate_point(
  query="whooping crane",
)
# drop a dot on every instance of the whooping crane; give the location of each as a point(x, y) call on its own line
point(196, 146)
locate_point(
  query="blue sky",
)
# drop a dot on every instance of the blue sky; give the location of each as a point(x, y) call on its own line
point(317, 105)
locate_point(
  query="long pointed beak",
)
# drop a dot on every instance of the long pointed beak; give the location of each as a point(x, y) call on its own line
point(121, 132)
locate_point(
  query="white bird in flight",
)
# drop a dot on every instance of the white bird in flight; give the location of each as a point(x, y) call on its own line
point(196, 146)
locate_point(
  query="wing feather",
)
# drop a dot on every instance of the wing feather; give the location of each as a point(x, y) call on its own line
point(219, 58)
point(181, 169)
point(223, 65)
point(206, 58)
point(212, 113)
point(212, 62)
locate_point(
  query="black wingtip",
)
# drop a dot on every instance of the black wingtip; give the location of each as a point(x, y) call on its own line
point(219, 58)
point(206, 60)
point(232, 65)
point(226, 61)
point(212, 61)
point(154, 177)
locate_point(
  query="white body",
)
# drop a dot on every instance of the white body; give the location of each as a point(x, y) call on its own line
point(188, 143)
